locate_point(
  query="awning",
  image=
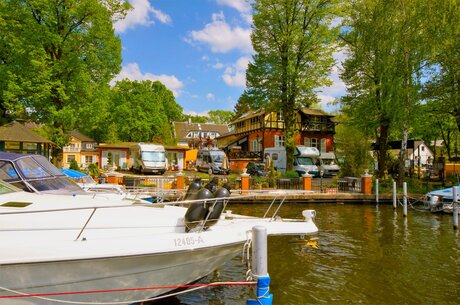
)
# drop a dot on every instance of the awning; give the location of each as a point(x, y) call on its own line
point(73, 173)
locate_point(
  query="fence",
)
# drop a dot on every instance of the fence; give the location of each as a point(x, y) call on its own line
point(321, 185)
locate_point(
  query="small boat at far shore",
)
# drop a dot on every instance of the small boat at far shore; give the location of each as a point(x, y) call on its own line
point(441, 201)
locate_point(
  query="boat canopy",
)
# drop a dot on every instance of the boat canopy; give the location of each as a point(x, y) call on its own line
point(34, 173)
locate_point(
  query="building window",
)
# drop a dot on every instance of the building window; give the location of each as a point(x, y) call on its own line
point(279, 141)
point(279, 116)
point(70, 158)
point(315, 142)
point(29, 146)
point(255, 146)
point(88, 159)
point(12, 145)
point(89, 145)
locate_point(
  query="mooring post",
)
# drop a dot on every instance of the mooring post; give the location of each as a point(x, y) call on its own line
point(377, 191)
point(404, 199)
point(455, 206)
point(260, 267)
point(394, 194)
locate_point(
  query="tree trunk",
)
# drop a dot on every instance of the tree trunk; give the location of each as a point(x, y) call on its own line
point(402, 156)
point(382, 142)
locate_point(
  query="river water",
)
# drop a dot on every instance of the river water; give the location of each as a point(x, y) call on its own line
point(366, 254)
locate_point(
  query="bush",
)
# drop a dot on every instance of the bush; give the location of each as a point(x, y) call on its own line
point(291, 174)
point(93, 170)
point(74, 165)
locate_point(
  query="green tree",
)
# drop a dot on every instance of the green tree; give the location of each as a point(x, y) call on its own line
point(353, 148)
point(142, 111)
point(195, 118)
point(293, 41)
point(220, 116)
point(55, 56)
point(385, 49)
point(74, 165)
point(242, 106)
point(443, 25)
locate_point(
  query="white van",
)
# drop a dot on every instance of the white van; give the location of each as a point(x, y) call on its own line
point(148, 158)
point(305, 159)
point(329, 165)
point(212, 161)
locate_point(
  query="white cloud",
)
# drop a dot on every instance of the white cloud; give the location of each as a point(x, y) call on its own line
point(192, 112)
point(210, 97)
point(328, 94)
point(218, 65)
point(235, 75)
point(142, 13)
point(133, 72)
point(221, 37)
point(241, 6)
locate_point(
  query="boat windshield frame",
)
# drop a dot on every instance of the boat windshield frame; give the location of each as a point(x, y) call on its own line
point(34, 173)
point(6, 188)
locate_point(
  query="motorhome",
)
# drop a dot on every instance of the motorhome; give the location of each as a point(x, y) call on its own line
point(213, 161)
point(329, 165)
point(306, 159)
point(148, 158)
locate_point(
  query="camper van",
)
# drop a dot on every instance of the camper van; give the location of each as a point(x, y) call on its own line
point(212, 161)
point(305, 159)
point(148, 158)
point(329, 165)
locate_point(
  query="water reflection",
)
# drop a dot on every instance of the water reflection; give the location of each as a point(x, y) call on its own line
point(366, 255)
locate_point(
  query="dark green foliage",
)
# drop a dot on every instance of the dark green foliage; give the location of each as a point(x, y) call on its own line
point(74, 165)
point(142, 111)
point(291, 174)
point(93, 170)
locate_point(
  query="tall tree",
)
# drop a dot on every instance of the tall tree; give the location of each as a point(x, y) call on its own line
point(143, 111)
point(385, 42)
point(293, 41)
point(55, 55)
point(443, 24)
point(366, 73)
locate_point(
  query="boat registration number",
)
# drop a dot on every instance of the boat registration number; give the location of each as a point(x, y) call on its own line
point(188, 241)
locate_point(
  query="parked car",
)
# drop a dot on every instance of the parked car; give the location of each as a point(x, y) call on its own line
point(256, 169)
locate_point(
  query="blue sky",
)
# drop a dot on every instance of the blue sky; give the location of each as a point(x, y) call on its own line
point(199, 49)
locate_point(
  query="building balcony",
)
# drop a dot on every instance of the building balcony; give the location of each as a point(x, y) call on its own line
point(71, 149)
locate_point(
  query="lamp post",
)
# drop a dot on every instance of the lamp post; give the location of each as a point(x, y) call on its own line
point(321, 173)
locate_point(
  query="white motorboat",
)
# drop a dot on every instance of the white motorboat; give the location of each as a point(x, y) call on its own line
point(60, 248)
point(441, 200)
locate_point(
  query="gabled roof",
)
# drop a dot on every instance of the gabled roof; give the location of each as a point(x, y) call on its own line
point(182, 128)
point(16, 132)
point(76, 134)
point(310, 111)
point(306, 111)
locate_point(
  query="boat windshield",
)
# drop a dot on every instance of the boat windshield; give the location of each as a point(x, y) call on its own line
point(7, 171)
point(153, 156)
point(35, 173)
point(304, 161)
point(7, 188)
point(31, 169)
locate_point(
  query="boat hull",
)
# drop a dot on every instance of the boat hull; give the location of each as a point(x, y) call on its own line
point(161, 269)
